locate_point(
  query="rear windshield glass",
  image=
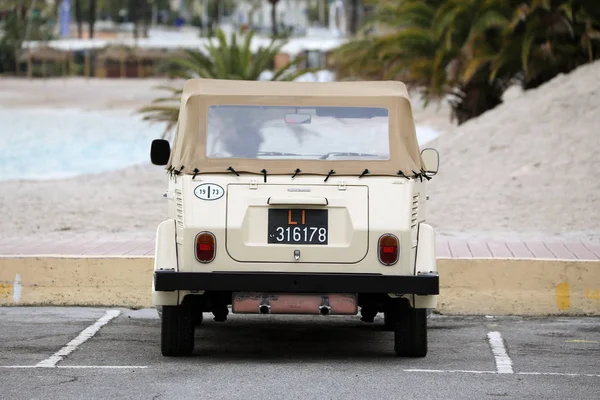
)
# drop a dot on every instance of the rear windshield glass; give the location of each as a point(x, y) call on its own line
point(351, 133)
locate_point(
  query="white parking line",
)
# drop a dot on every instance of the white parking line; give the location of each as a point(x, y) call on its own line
point(78, 366)
point(503, 361)
point(557, 374)
point(103, 367)
point(442, 371)
point(86, 334)
point(446, 371)
point(436, 371)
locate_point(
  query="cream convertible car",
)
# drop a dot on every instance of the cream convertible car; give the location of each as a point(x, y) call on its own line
point(295, 198)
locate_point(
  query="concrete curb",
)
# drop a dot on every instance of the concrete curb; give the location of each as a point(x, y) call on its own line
point(468, 286)
point(519, 287)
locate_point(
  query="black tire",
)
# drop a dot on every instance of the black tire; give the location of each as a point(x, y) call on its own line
point(410, 333)
point(177, 331)
point(389, 320)
point(198, 318)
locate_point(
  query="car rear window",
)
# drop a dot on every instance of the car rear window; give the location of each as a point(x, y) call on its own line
point(244, 131)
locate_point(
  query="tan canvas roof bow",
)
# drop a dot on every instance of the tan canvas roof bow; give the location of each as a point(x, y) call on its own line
point(189, 148)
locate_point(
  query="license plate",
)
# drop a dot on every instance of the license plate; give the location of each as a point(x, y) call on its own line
point(298, 226)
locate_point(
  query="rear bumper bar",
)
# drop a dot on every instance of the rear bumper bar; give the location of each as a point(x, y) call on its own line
point(285, 282)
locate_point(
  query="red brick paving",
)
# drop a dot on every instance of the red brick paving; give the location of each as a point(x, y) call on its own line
point(446, 248)
point(593, 248)
point(500, 250)
point(519, 250)
point(479, 249)
point(458, 248)
point(581, 252)
point(539, 250)
point(560, 250)
point(443, 249)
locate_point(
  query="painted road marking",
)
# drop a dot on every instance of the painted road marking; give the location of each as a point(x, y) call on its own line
point(449, 371)
point(503, 361)
point(103, 366)
point(86, 334)
point(78, 366)
point(581, 341)
point(446, 371)
point(437, 371)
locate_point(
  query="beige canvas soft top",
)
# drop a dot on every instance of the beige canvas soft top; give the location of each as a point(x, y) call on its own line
point(189, 148)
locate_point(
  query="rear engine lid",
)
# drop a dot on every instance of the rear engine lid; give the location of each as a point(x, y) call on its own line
point(297, 223)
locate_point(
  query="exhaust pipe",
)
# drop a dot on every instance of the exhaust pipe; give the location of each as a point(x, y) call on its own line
point(264, 309)
point(324, 310)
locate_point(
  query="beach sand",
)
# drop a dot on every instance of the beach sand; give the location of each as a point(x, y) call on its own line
point(526, 169)
point(523, 170)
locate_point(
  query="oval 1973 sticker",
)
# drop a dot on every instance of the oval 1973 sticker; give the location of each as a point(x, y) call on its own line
point(209, 191)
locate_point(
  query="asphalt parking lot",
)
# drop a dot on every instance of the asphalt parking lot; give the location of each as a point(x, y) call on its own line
point(94, 353)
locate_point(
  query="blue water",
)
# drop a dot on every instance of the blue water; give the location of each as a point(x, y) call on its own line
point(41, 144)
point(59, 143)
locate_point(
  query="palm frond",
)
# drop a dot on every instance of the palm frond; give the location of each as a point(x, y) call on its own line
point(222, 58)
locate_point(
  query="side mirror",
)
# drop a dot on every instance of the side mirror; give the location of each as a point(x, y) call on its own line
point(160, 151)
point(431, 161)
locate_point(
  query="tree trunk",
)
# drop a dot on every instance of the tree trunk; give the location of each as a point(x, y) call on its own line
point(146, 17)
point(79, 18)
point(274, 29)
point(133, 14)
point(354, 17)
point(92, 18)
point(473, 98)
point(22, 12)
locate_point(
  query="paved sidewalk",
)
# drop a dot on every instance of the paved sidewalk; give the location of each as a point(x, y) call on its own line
point(572, 250)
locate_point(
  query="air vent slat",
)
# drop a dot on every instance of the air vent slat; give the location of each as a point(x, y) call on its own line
point(415, 211)
point(179, 208)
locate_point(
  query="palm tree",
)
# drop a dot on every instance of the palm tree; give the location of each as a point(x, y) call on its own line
point(20, 25)
point(470, 32)
point(407, 53)
point(79, 18)
point(442, 47)
point(470, 51)
point(545, 38)
point(225, 59)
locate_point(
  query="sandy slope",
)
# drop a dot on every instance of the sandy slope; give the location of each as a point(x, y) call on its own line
point(528, 166)
point(525, 168)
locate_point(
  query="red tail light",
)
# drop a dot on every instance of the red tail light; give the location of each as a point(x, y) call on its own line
point(205, 247)
point(389, 249)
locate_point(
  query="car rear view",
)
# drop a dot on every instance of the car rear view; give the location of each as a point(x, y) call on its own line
point(295, 198)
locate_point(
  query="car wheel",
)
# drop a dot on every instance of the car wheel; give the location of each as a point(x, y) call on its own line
point(198, 318)
point(389, 321)
point(177, 331)
point(410, 331)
